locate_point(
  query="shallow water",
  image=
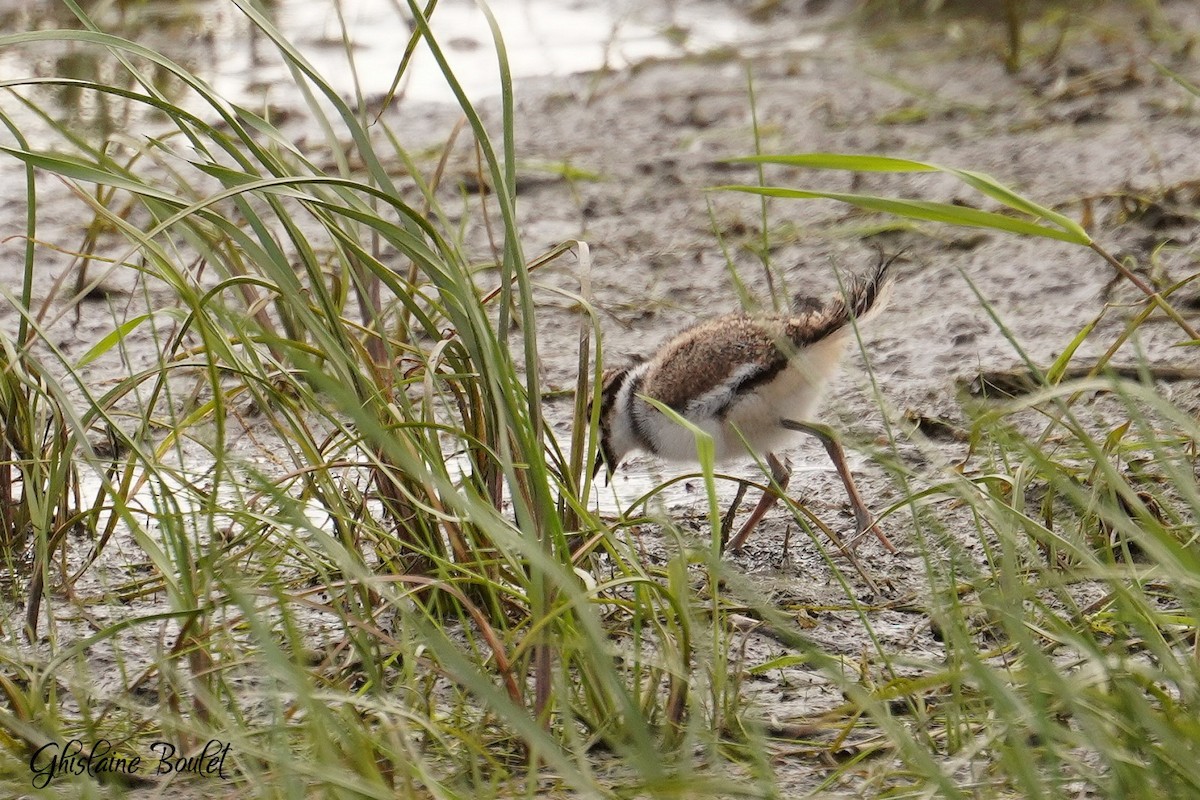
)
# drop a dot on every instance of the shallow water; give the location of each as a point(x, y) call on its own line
point(542, 38)
point(357, 45)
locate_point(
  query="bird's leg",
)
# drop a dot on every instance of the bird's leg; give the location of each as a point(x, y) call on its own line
point(727, 522)
point(838, 457)
point(779, 478)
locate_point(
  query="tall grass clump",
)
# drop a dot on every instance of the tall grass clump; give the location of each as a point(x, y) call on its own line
point(341, 538)
point(1070, 663)
point(40, 493)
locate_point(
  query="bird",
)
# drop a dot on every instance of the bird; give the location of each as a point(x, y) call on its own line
point(751, 382)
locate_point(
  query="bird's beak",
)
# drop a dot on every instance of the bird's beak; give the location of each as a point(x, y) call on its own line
point(601, 461)
point(604, 460)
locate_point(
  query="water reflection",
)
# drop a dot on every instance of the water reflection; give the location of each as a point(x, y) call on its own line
point(542, 37)
point(184, 32)
point(356, 45)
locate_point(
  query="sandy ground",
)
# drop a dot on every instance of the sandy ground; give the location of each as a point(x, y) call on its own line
point(1091, 129)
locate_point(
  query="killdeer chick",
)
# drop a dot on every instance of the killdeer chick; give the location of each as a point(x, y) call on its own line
point(746, 381)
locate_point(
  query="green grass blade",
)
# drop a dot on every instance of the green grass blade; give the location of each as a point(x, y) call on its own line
point(919, 209)
point(985, 184)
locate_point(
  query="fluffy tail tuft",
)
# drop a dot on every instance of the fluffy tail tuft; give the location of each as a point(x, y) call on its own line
point(869, 295)
point(863, 299)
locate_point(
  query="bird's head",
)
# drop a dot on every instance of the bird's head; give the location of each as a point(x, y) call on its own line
point(615, 443)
